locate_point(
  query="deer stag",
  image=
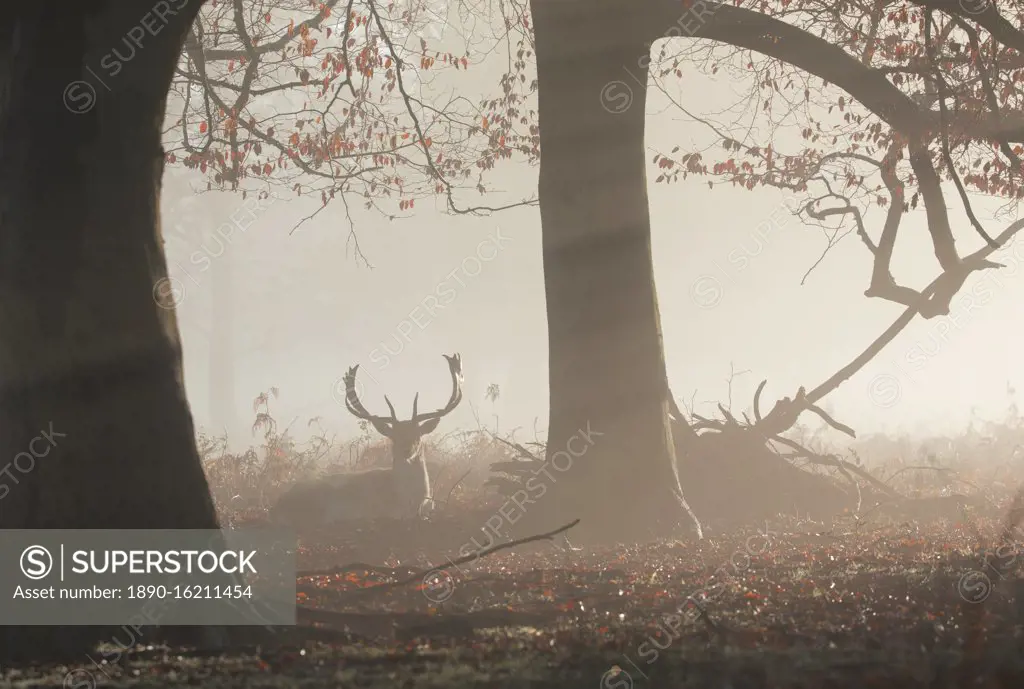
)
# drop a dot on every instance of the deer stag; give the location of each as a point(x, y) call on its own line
point(401, 490)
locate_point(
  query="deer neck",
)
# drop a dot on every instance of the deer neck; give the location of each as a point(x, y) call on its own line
point(418, 468)
point(411, 480)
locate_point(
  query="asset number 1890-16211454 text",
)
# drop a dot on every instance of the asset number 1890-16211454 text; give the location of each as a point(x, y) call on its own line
point(189, 591)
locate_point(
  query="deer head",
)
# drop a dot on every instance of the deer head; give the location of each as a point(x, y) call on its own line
point(406, 436)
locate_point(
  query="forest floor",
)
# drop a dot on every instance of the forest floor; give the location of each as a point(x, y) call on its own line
point(790, 603)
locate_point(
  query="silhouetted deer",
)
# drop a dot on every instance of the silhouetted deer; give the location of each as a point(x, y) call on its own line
point(402, 490)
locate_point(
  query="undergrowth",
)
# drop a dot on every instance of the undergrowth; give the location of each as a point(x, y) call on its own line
point(245, 484)
point(987, 455)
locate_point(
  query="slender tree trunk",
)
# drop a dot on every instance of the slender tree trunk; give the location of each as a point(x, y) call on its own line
point(85, 349)
point(607, 368)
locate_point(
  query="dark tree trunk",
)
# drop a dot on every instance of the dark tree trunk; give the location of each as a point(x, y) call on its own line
point(607, 368)
point(85, 348)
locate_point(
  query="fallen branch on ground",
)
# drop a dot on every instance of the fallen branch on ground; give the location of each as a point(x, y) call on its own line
point(410, 624)
point(839, 463)
point(420, 576)
point(523, 452)
point(454, 486)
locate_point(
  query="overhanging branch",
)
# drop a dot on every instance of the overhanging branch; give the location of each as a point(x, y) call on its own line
point(755, 31)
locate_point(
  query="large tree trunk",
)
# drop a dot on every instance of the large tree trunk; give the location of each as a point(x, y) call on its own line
point(86, 350)
point(607, 368)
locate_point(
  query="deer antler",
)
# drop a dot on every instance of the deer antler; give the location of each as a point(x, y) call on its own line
point(391, 408)
point(356, 408)
point(455, 366)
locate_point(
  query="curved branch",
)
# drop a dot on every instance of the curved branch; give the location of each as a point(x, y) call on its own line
point(947, 154)
point(990, 94)
point(976, 261)
point(882, 282)
point(785, 412)
point(930, 186)
point(753, 30)
point(757, 400)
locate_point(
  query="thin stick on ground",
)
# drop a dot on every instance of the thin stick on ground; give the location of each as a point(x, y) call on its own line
point(523, 452)
point(456, 485)
point(420, 576)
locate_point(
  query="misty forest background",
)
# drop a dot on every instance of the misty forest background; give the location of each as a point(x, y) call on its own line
point(277, 312)
point(303, 307)
point(690, 256)
point(777, 271)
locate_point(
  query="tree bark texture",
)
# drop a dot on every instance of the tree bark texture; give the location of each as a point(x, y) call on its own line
point(88, 357)
point(606, 358)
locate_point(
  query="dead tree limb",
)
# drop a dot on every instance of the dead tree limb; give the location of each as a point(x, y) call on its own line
point(786, 411)
point(824, 416)
point(421, 575)
point(523, 452)
point(839, 463)
point(904, 319)
point(757, 400)
point(407, 624)
point(454, 486)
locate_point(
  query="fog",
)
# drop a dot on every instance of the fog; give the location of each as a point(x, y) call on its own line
point(419, 524)
point(310, 298)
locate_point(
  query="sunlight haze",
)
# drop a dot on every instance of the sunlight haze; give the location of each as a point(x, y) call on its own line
point(729, 264)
